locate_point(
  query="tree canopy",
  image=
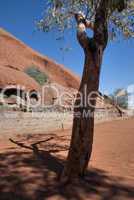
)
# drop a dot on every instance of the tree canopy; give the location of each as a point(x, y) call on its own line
point(59, 15)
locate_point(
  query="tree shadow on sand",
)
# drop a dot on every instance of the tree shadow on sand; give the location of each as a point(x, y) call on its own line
point(29, 173)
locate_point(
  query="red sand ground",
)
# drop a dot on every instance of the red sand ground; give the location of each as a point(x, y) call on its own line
point(30, 172)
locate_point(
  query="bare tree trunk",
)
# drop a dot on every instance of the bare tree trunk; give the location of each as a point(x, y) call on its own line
point(83, 123)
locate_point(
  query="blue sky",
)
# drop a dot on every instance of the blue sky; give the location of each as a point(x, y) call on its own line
point(19, 16)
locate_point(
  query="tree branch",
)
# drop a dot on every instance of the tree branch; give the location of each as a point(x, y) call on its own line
point(89, 25)
point(101, 24)
point(81, 30)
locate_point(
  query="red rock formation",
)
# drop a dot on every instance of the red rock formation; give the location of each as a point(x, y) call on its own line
point(16, 57)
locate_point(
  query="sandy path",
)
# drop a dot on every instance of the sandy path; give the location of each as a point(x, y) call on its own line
point(27, 174)
point(114, 147)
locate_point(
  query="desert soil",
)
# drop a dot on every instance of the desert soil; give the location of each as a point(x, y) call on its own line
point(31, 171)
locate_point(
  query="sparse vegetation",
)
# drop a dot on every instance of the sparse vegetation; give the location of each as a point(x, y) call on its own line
point(37, 75)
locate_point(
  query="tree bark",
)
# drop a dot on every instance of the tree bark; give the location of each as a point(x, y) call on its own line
point(83, 122)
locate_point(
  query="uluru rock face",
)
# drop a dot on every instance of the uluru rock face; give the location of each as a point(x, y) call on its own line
point(16, 57)
point(13, 77)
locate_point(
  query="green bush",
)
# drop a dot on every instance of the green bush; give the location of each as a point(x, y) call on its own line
point(37, 75)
